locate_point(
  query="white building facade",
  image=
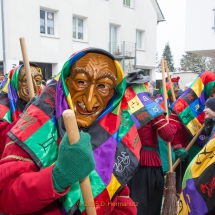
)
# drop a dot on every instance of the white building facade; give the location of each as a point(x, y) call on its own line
point(200, 27)
point(54, 29)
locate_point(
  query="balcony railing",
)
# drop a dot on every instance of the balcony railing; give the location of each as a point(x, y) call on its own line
point(122, 51)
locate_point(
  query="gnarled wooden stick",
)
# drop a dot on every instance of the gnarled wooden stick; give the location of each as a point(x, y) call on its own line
point(166, 109)
point(73, 136)
point(27, 68)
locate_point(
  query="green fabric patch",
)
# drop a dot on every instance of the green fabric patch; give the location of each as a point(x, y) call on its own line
point(126, 124)
point(138, 88)
point(44, 144)
point(187, 115)
point(7, 116)
point(74, 194)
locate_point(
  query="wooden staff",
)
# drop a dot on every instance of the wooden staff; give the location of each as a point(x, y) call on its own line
point(73, 136)
point(170, 200)
point(189, 145)
point(27, 68)
point(166, 109)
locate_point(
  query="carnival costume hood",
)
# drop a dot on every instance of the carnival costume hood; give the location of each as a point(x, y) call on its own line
point(114, 138)
point(141, 107)
point(189, 107)
point(10, 104)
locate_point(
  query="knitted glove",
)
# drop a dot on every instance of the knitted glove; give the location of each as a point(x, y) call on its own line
point(74, 162)
point(181, 153)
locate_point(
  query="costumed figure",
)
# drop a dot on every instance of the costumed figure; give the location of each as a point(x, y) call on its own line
point(147, 184)
point(188, 116)
point(152, 89)
point(162, 143)
point(14, 98)
point(198, 185)
point(41, 171)
point(175, 81)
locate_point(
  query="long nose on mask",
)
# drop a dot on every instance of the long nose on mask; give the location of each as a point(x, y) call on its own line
point(90, 98)
point(35, 86)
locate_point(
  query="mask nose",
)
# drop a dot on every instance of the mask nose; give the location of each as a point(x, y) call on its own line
point(35, 86)
point(90, 98)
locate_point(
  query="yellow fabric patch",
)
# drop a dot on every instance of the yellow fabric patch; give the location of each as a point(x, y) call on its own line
point(120, 73)
point(69, 100)
point(194, 126)
point(198, 87)
point(184, 209)
point(203, 159)
point(5, 88)
point(113, 186)
point(56, 78)
point(135, 104)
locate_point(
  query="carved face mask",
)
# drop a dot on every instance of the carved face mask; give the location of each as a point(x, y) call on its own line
point(23, 87)
point(91, 85)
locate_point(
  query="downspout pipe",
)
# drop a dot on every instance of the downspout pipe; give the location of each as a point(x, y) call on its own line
point(3, 36)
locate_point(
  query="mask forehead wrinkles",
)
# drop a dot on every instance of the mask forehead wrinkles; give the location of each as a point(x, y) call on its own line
point(97, 64)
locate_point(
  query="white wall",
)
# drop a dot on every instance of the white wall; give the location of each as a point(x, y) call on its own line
point(22, 19)
point(199, 34)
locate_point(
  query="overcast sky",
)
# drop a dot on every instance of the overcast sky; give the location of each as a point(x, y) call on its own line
point(173, 29)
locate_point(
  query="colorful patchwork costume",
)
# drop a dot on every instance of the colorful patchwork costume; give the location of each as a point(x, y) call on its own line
point(197, 195)
point(11, 105)
point(147, 183)
point(26, 187)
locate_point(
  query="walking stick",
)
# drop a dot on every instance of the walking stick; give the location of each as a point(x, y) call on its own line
point(73, 136)
point(189, 145)
point(170, 201)
point(27, 68)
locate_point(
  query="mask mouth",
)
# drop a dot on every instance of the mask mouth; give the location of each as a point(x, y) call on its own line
point(81, 108)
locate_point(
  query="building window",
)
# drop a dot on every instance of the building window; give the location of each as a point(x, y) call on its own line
point(113, 39)
point(78, 28)
point(127, 3)
point(140, 40)
point(47, 22)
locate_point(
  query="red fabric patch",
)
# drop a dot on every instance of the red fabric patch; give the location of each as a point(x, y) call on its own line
point(207, 77)
point(180, 105)
point(124, 104)
point(3, 110)
point(133, 144)
point(58, 141)
point(12, 71)
point(35, 118)
point(129, 94)
point(110, 123)
point(102, 204)
point(16, 115)
point(201, 117)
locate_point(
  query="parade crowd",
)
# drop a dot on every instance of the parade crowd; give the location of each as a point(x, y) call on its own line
point(124, 133)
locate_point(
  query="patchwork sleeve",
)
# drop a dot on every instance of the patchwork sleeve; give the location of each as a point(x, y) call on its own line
point(23, 188)
point(181, 136)
point(165, 130)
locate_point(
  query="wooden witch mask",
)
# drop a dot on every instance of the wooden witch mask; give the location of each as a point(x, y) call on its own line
point(91, 84)
point(22, 82)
